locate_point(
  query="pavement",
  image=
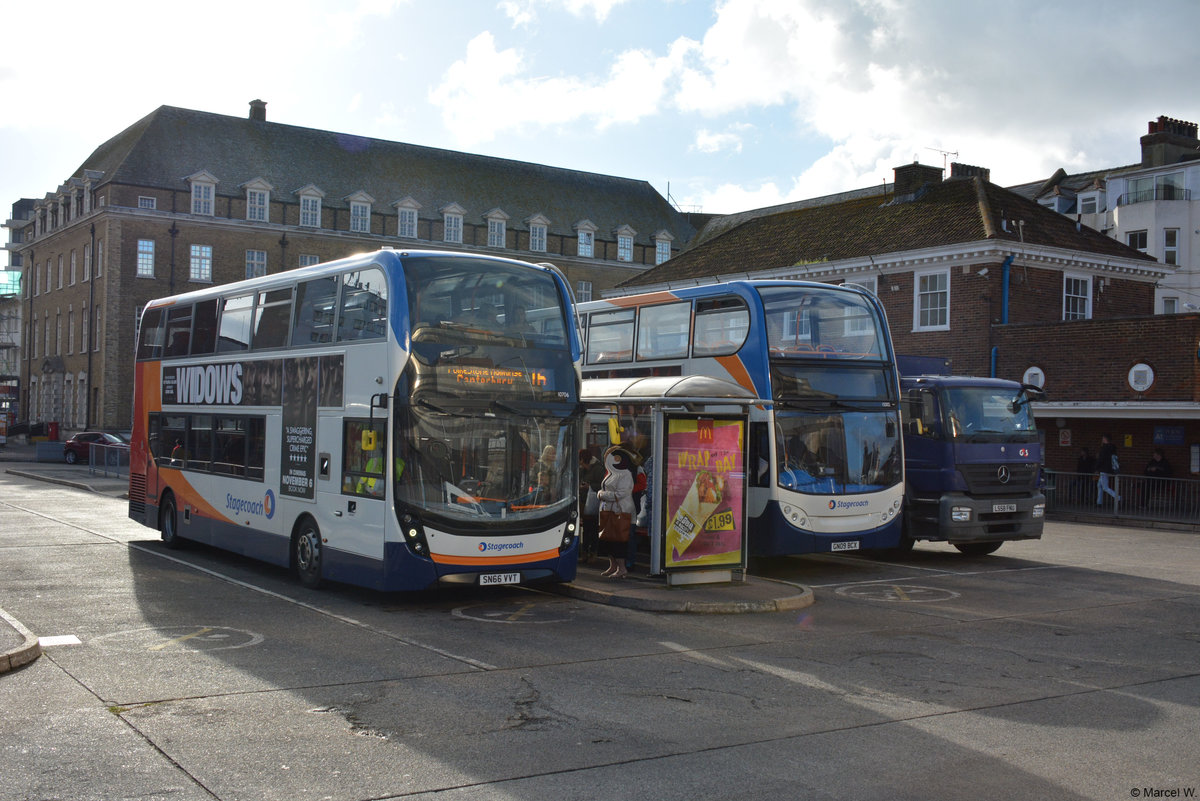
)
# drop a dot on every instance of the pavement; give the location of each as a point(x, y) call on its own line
point(18, 646)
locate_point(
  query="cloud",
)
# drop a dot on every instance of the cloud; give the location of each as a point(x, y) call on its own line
point(709, 142)
point(524, 12)
point(488, 92)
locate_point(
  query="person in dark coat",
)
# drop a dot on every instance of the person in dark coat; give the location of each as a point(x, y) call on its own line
point(1106, 463)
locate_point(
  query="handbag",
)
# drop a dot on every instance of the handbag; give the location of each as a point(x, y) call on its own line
point(591, 506)
point(614, 526)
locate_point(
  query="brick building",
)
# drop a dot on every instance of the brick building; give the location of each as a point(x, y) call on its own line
point(1000, 285)
point(185, 198)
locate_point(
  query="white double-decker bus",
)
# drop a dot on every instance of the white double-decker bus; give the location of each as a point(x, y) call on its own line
point(391, 420)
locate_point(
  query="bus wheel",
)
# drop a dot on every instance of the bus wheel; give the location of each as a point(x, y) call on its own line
point(168, 523)
point(978, 548)
point(306, 554)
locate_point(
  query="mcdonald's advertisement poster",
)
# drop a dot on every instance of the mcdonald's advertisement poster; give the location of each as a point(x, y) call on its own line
point(705, 481)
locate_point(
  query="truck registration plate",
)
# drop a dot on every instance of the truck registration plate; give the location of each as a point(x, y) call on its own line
point(852, 545)
point(486, 579)
point(1004, 507)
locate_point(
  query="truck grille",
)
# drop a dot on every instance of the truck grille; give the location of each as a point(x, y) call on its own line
point(984, 479)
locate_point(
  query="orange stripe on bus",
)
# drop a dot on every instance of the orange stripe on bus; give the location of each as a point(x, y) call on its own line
point(483, 561)
point(642, 300)
point(737, 371)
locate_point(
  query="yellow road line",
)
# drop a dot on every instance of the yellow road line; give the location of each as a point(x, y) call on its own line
point(163, 645)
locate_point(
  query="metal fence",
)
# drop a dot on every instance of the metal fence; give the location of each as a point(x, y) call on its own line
point(109, 460)
point(1168, 500)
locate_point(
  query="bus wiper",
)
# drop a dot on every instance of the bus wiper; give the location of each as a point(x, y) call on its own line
point(431, 406)
point(504, 407)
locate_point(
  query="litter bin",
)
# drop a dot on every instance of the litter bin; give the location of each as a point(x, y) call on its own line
point(52, 431)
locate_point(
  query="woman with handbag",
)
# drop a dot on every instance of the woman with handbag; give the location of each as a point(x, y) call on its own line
point(616, 509)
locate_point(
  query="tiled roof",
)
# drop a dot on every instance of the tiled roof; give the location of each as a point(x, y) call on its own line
point(952, 212)
point(172, 143)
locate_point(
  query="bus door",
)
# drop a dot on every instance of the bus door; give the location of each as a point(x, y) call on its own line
point(354, 497)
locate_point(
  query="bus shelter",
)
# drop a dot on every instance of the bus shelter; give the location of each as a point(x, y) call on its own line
point(698, 476)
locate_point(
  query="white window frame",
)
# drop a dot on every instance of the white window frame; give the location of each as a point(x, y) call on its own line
point(624, 235)
point(256, 263)
point(147, 202)
point(537, 238)
point(662, 250)
point(452, 223)
point(585, 239)
point(145, 258)
point(60, 271)
point(583, 291)
point(70, 330)
point(1170, 246)
point(200, 263)
point(96, 316)
point(258, 205)
point(1142, 243)
point(1170, 305)
point(310, 206)
point(923, 295)
point(360, 217)
point(497, 233)
point(406, 223)
point(309, 259)
point(74, 267)
point(1077, 282)
point(204, 194)
point(85, 329)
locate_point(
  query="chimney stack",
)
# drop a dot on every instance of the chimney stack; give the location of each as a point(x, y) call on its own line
point(912, 177)
point(969, 171)
point(1169, 141)
point(258, 110)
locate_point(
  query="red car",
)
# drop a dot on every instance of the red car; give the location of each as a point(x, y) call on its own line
point(79, 446)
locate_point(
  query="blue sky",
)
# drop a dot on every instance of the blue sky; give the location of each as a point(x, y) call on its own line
point(728, 105)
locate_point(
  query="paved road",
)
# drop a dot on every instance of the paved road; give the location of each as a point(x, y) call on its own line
point(1066, 669)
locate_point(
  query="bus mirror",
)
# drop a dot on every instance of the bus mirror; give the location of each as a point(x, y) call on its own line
point(614, 431)
point(368, 440)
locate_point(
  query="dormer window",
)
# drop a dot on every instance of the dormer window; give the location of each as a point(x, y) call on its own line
point(662, 246)
point(625, 236)
point(310, 206)
point(586, 238)
point(538, 227)
point(360, 212)
point(204, 193)
point(452, 223)
point(497, 222)
point(258, 200)
point(406, 213)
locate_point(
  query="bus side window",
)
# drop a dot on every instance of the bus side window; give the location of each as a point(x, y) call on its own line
point(316, 303)
point(179, 331)
point(204, 327)
point(272, 319)
point(758, 461)
point(235, 324)
point(363, 312)
point(150, 342)
point(722, 325)
point(362, 468)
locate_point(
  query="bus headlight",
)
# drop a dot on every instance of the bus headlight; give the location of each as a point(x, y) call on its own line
point(960, 514)
point(1039, 510)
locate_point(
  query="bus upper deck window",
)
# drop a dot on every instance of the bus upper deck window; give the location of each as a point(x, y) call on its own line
point(179, 331)
point(316, 305)
point(235, 324)
point(204, 327)
point(363, 312)
point(272, 319)
point(721, 326)
point(150, 340)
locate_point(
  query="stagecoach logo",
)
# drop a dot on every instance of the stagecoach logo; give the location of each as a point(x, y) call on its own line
point(1002, 474)
point(264, 508)
point(484, 547)
point(836, 504)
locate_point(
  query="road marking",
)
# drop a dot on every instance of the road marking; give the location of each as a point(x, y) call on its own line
point(59, 639)
point(535, 612)
point(894, 592)
point(180, 639)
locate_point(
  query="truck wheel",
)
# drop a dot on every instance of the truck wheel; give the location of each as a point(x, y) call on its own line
point(978, 548)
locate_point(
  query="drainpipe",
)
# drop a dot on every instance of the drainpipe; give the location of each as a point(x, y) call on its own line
point(91, 268)
point(1005, 279)
point(1006, 275)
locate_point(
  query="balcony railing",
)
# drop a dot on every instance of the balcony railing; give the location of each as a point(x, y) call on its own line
point(1158, 193)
